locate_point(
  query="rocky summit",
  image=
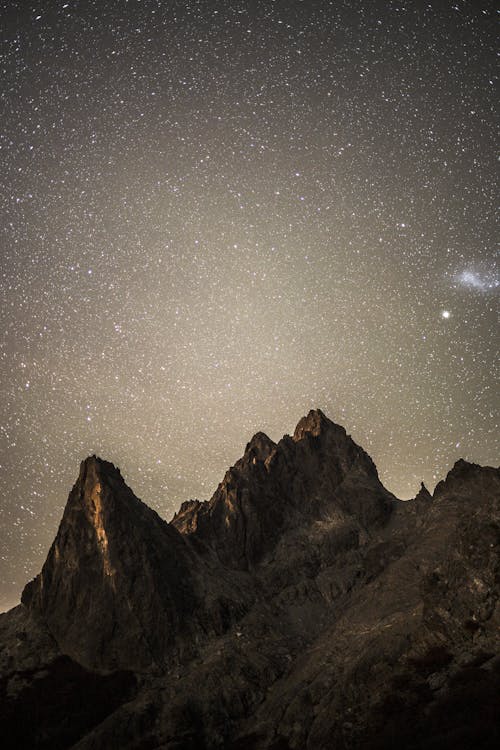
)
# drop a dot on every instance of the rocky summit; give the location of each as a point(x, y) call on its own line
point(303, 607)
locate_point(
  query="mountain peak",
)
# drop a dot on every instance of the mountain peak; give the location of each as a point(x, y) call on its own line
point(423, 493)
point(295, 483)
point(462, 476)
point(259, 448)
point(301, 565)
point(314, 424)
point(100, 483)
point(96, 464)
point(463, 467)
point(118, 564)
point(461, 470)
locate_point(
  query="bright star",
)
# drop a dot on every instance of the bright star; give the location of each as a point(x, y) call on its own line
point(445, 314)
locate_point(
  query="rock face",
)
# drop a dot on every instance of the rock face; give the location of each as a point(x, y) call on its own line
point(303, 606)
point(275, 489)
point(119, 583)
point(116, 584)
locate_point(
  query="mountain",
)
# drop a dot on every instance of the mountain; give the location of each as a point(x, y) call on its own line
point(132, 579)
point(303, 606)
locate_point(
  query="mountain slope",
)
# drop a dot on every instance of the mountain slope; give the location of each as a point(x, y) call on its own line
point(317, 473)
point(120, 585)
point(303, 606)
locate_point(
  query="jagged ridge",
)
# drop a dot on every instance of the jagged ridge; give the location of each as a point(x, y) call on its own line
point(283, 612)
point(273, 487)
point(131, 577)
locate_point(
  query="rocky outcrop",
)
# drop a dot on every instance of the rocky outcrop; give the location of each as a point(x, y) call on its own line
point(275, 488)
point(423, 495)
point(120, 584)
point(117, 583)
point(303, 606)
point(413, 660)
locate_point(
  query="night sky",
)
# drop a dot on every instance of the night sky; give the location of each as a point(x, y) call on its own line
point(218, 215)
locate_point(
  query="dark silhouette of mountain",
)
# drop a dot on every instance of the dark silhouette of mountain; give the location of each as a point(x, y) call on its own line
point(303, 606)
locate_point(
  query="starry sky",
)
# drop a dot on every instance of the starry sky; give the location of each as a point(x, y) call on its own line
point(218, 215)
